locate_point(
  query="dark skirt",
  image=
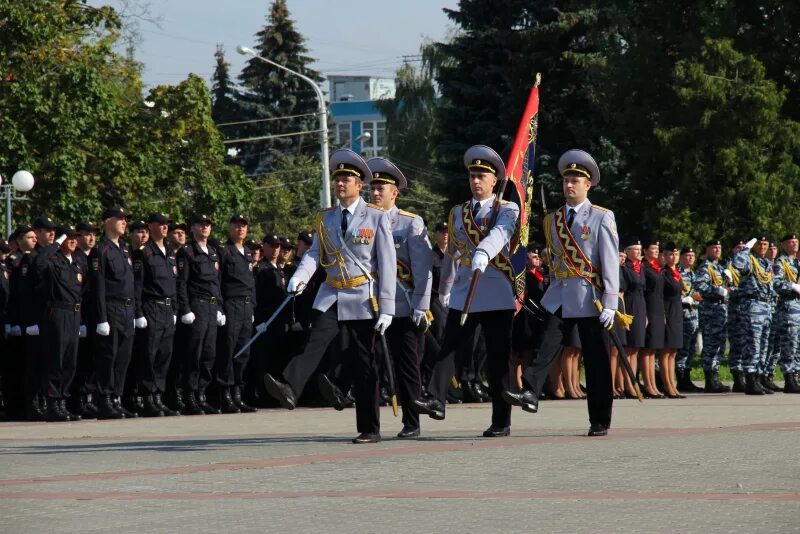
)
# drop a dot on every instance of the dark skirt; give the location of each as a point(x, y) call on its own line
point(673, 337)
point(654, 299)
point(635, 305)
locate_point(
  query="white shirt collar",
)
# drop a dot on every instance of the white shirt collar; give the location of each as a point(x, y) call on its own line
point(578, 207)
point(352, 207)
point(486, 201)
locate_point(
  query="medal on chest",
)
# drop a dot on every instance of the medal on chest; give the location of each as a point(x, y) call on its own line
point(585, 232)
point(363, 236)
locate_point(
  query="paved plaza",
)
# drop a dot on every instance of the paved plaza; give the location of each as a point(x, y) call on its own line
point(709, 463)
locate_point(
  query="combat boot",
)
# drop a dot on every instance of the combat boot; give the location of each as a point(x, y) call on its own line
point(713, 385)
point(177, 398)
point(236, 394)
point(768, 383)
point(54, 412)
point(226, 403)
point(169, 412)
point(685, 384)
point(205, 406)
point(752, 385)
point(190, 406)
point(738, 382)
point(86, 407)
point(150, 408)
point(70, 416)
point(120, 408)
point(106, 408)
point(33, 410)
point(791, 385)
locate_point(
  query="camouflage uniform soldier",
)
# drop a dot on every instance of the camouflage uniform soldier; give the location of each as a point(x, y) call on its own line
point(736, 329)
point(691, 323)
point(757, 295)
point(787, 317)
point(713, 314)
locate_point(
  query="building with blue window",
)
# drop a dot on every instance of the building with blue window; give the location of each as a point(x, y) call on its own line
point(354, 113)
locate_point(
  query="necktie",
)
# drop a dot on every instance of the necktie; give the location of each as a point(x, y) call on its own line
point(570, 218)
point(476, 208)
point(345, 213)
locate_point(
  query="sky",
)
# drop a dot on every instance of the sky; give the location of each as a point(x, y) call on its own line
point(345, 36)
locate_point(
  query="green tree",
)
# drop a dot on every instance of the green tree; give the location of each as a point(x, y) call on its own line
point(223, 92)
point(272, 93)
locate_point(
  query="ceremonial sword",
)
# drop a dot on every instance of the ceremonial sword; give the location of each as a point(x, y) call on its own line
point(288, 298)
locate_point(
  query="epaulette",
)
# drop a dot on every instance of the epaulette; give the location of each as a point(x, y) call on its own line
point(504, 202)
point(371, 205)
point(601, 208)
point(406, 213)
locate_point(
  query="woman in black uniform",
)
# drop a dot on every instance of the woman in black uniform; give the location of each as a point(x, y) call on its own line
point(527, 328)
point(654, 334)
point(634, 282)
point(673, 313)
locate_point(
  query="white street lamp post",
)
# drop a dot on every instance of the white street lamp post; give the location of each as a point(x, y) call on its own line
point(21, 182)
point(325, 192)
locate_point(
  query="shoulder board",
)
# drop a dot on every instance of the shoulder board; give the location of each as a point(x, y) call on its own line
point(407, 213)
point(600, 208)
point(504, 202)
point(371, 205)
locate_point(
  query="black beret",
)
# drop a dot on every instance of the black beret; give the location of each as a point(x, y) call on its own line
point(440, 227)
point(177, 226)
point(686, 250)
point(670, 247)
point(787, 237)
point(271, 239)
point(713, 242)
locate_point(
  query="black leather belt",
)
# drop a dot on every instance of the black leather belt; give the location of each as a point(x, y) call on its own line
point(64, 305)
point(246, 300)
point(124, 301)
point(166, 302)
point(210, 300)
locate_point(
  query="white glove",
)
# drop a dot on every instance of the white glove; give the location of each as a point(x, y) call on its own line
point(252, 319)
point(188, 318)
point(140, 322)
point(103, 329)
point(480, 260)
point(32, 330)
point(796, 288)
point(295, 285)
point(728, 275)
point(445, 300)
point(724, 292)
point(15, 331)
point(174, 320)
point(383, 323)
point(260, 328)
point(61, 239)
point(220, 318)
point(607, 317)
point(82, 331)
point(750, 243)
point(418, 317)
point(687, 300)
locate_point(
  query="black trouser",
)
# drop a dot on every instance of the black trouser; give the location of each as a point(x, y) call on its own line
point(14, 385)
point(112, 353)
point(595, 349)
point(433, 339)
point(233, 336)
point(60, 329)
point(325, 326)
point(201, 345)
point(159, 337)
point(404, 342)
point(472, 359)
point(496, 326)
point(84, 382)
point(34, 365)
point(177, 363)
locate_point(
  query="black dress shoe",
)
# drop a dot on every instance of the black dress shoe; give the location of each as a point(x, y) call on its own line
point(408, 432)
point(481, 391)
point(497, 432)
point(525, 399)
point(331, 392)
point(280, 391)
point(430, 407)
point(597, 429)
point(367, 437)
